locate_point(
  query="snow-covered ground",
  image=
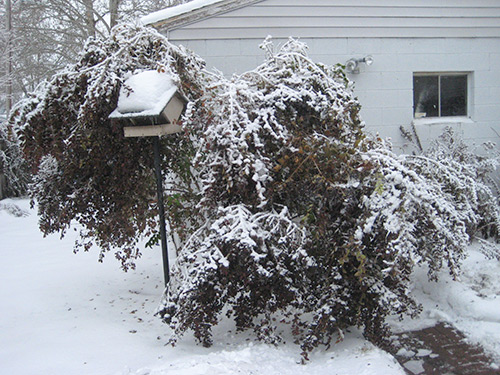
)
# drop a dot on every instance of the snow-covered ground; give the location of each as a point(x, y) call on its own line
point(68, 314)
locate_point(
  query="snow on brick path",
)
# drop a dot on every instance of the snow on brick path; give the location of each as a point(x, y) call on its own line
point(441, 349)
point(68, 314)
point(470, 304)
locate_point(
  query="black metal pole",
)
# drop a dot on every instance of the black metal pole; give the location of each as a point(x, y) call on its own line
point(161, 209)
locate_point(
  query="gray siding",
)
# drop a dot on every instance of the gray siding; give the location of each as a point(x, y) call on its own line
point(350, 18)
point(403, 36)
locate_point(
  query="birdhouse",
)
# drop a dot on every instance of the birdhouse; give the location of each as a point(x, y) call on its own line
point(150, 104)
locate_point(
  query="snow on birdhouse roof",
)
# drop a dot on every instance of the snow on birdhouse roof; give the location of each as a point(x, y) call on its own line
point(144, 94)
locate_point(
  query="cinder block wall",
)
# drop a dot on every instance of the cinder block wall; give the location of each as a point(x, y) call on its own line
point(385, 89)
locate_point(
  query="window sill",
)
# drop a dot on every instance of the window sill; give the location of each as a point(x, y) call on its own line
point(443, 120)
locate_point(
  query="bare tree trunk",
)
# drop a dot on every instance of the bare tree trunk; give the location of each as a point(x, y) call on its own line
point(113, 12)
point(89, 17)
point(8, 11)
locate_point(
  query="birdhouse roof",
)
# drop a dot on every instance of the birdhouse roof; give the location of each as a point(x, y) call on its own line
point(145, 94)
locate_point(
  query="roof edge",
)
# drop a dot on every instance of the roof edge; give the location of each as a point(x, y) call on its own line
point(193, 11)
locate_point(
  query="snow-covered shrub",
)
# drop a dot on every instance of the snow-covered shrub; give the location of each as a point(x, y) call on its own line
point(12, 163)
point(308, 221)
point(467, 176)
point(245, 264)
point(411, 215)
point(103, 181)
point(285, 179)
point(469, 179)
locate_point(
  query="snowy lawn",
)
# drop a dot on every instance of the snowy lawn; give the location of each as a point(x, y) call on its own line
point(68, 314)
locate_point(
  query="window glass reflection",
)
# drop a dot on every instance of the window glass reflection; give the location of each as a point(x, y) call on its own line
point(426, 96)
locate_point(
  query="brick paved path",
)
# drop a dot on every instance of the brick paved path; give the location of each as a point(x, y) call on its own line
point(441, 350)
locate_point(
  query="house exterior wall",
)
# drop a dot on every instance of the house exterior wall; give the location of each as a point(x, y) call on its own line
point(403, 36)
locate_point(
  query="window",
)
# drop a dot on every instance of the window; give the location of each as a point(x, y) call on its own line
point(439, 94)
